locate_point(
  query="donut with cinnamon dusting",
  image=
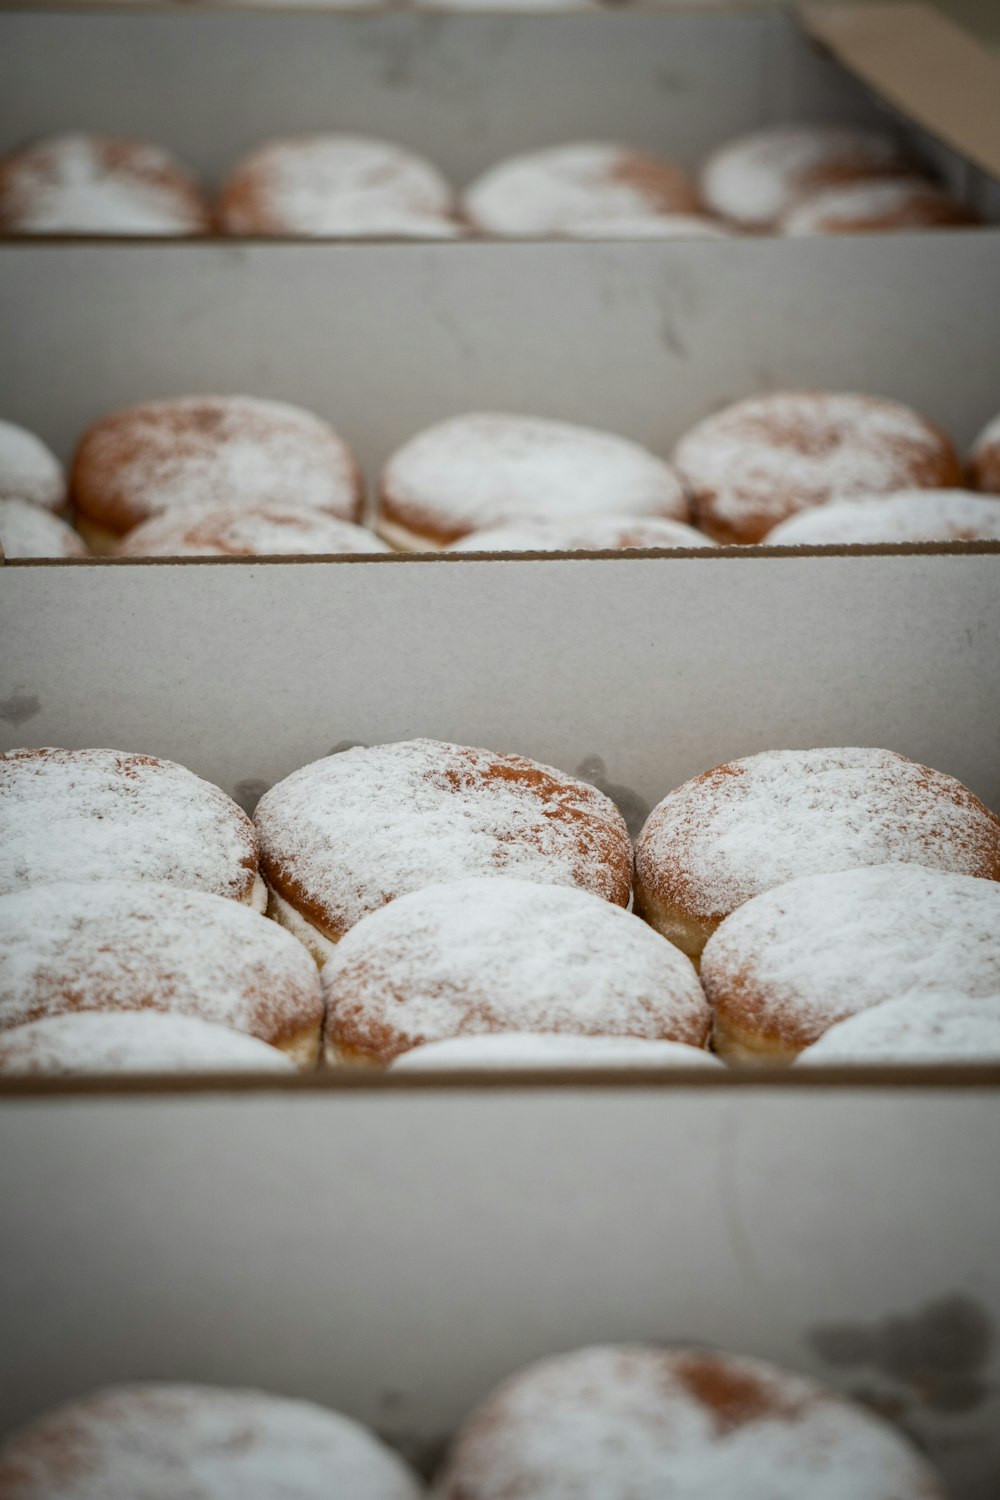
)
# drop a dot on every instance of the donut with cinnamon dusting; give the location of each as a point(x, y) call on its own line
point(163, 1442)
point(350, 833)
point(482, 956)
point(193, 453)
point(759, 461)
point(29, 470)
point(487, 469)
point(99, 184)
point(984, 461)
point(247, 531)
point(875, 206)
point(111, 815)
point(115, 945)
point(735, 831)
point(547, 192)
point(642, 1422)
point(756, 178)
point(796, 960)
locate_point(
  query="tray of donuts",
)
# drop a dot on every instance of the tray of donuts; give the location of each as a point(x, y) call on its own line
point(398, 126)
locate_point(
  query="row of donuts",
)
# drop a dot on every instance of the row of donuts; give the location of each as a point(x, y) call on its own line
point(238, 476)
point(604, 1422)
point(454, 896)
point(796, 179)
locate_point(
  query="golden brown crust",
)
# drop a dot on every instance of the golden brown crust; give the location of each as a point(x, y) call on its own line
point(984, 467)
point(663, 185)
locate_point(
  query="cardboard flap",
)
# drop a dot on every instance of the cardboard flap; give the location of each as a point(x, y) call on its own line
point(923, 64)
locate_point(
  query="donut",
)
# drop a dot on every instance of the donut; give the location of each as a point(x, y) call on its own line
point(636, 1422)
point(199, 452)
point(145, 1041)
point(98, 184)
point(913, 1029)
point(247, 531)
point(496, 955)
point(590, 534)
point(882, 203)
point(663, 227)
point(759, 461)
point(119, 945)
point(748, 825)
point(794, 961)
point(190, 1442)
point(547, 192)
point(756, 178)
point(910, 516)
point(515, 1050)
point(485, 469)
point(27, 530)
point(349, 833)
point(341, 185)
point(110, 815)
point(29, 470)
point(984, 460)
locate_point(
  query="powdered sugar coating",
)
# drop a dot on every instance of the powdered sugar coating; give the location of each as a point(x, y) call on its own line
point(199, 452)
point(910, 516)
point(611, 1422)
point(108, 814)
point(336, 185)
point(156, 1441)
point(27, 530)
point(93, 184)
point(984, 461)
point(485, 469)
point(29, 470)
point(754, 179)
point(591, 533)
point(504, 955)
point(344, 836)
point(915, 1028)
point(794, 961)
point(547, 192)
point(759, 461)
point(104, 945)
point(662, 227)
point(877, 205)
point(754, 823)
point(247, 531)
point(132, 1042)
point(525, 1049)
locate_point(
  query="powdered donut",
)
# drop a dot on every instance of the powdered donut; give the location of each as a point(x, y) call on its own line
point(29, 470)
point(247, 531)
point(756, 178)
point(794, 961)
point(27, 530)
point(664, 227)
point(98, 184)
point(501, 955)
point(751, 824)
point(984, 461)
point(547, 192)
point(484, 470)
point(119, 945)
point(523, 1049)
point(144, 1041)
point(914, 1029)
point(759, 461)
point(336, 185)
point(345, 835)
point(164, 1442)
point(198, 452)
point(881, 204)
point(109, 815)
point(911, 516)
point(632, 1422)
point(590, 534)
